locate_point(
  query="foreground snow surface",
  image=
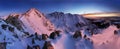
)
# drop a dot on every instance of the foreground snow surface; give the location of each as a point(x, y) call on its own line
point(34, 21)
point(104, 40)
point(107, 39)
point(67, 42)
point(64, 42)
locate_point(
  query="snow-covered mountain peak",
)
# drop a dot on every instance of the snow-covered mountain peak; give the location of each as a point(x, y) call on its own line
point(35, 21)
point(33, 9)
point(33, 12)
point(58, 30)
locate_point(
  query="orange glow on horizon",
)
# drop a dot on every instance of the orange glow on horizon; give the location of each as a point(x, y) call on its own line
point(101, 14)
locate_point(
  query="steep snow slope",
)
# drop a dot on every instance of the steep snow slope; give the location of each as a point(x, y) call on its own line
point(68, 22)
point(16, 39)
point(11, 38)
point(35, 21)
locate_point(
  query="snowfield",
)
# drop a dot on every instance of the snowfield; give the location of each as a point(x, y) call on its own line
point(57, 30)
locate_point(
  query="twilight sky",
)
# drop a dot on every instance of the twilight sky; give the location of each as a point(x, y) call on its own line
point(67, 6)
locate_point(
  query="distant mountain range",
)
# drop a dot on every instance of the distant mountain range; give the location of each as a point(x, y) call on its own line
point(58, 30)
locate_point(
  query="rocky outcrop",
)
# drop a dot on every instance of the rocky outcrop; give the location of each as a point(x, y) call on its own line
point(29, 47)
point(11, 29)
point(57, 32)
point(3, 45)
point(36, 47)
point(14, 20)
point(4, 26)
point(44, 36)
point(77, 34)
point(47, 45)
point(101, 24)
point(116, 32)
point(54, 34)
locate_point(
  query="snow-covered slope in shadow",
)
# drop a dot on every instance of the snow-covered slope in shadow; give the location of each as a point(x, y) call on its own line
point(10, 36)
point(67, 22)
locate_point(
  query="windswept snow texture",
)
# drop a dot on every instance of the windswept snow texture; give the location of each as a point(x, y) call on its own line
point(37, 30)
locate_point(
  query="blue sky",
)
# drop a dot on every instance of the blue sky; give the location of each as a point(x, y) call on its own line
point(67, 6)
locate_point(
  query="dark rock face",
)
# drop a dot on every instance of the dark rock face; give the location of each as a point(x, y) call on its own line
point(53, 35)
point(115, 32)
point(44, 36)
point(4, 26)
point(85, 36)
point(33, 47)
point(28, 47)
point(79, 24)
point(77, 34)
point(47, 45)
point(33, 41)
point(27, 33)
point(118, 26)
point(30, 36)
point(36, 36)
point(14, 21)
point(11, 29)
point(57, 14)
point(3, 45)
point(36, 47)
point(101, 25)
point(15, 35)
point(57, 32)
